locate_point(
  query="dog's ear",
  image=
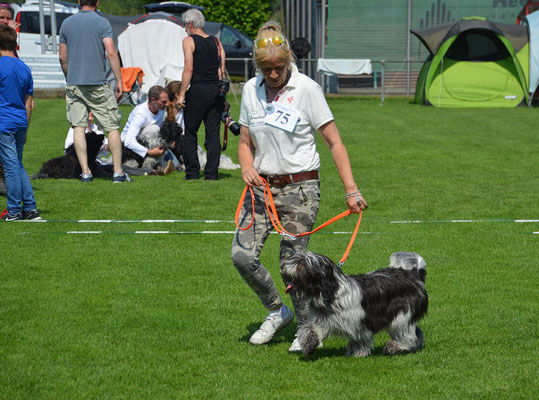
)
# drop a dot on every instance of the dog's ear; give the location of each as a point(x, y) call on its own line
point(316, 277)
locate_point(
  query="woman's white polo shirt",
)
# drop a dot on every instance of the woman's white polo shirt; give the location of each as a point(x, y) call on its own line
point(278, 152)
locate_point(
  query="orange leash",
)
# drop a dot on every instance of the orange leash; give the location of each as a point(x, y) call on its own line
point(274, 218)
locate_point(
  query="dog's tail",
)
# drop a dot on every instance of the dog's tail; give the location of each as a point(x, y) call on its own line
point(409, 261)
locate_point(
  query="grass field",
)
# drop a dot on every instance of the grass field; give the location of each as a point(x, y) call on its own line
point(119, 315)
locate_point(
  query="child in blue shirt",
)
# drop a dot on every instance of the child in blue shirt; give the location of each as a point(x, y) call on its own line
point(16, 90)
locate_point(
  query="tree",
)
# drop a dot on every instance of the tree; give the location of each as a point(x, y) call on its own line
point(245, 15)
point(125, 7)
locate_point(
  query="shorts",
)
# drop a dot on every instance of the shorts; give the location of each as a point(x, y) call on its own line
point(99, 99)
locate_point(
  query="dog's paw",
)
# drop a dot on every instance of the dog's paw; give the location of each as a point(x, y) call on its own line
point(309, 342)
point(393, 348)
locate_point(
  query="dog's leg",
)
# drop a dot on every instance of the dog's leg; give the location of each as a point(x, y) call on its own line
point(308, 339)
point(420, 340)
point(404, 340)
point(360, 347)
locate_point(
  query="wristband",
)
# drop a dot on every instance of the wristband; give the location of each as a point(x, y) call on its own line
point(356, 194)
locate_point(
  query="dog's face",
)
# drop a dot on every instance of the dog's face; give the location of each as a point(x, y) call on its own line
point(170, 132)
point(311, 275)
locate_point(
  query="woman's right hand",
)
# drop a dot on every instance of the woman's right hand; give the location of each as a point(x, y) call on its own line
point(251, 177)
point(13, 24)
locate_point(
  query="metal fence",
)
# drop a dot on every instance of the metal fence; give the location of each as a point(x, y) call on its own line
point(379, 31)
point(389, 77)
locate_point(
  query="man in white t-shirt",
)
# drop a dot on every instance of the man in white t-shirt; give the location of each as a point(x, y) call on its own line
point(144, 115)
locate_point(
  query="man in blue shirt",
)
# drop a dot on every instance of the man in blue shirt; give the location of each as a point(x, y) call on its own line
point(85, 38)
point(16, 90)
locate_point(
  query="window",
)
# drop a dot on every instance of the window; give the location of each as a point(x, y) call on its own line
point(228, 37)
point(477, 45)
point(30, 22)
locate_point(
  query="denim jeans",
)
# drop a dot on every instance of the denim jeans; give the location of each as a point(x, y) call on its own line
point(169, 155)
point(20, 195)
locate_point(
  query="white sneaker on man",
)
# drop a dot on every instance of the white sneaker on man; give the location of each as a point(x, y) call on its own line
point(296, 347)
point(274, 322)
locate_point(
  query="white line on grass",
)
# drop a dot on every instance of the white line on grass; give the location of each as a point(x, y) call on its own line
point(212, 221)
point(147, 221)
point(465, 221)
point(179, 233)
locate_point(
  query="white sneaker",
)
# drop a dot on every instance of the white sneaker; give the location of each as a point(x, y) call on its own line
point(296, 347)
point(273, 323)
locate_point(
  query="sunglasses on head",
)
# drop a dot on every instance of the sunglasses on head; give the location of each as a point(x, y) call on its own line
point(6, 5)
point(275, 41)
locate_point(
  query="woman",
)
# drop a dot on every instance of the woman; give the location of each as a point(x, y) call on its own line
point(6, 16)
point(284, 153)
point(204, 66)
point(175, 114)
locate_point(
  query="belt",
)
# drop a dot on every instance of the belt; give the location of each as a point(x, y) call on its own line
point(283, 180)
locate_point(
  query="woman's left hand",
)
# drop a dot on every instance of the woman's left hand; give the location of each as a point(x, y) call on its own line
point(356, 204)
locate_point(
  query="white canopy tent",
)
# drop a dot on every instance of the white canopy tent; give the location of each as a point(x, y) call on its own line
point(155, 45)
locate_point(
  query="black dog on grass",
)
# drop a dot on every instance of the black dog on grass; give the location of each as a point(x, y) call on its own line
point(68, 167)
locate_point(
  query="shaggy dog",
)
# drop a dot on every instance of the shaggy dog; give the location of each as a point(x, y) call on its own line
point(358, 306)
point(68, 167)
point(169, 133)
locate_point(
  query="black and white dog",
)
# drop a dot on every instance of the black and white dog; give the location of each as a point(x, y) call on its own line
point(68, 167)
point(169, 136)
point(358, 306)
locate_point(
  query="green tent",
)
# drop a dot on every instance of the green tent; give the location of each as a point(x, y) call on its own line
point(474, 63)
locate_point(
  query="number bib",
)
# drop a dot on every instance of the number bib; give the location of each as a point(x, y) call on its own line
point(281, 117)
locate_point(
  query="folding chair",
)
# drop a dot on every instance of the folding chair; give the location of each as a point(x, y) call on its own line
point(132, 82)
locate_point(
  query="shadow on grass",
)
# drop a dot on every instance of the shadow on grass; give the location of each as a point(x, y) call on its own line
point(338, 352)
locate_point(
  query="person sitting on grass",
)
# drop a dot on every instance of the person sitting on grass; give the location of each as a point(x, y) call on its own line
point(16, 91)
point(150, 116)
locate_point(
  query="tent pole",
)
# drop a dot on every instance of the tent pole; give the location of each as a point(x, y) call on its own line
point(42, 27)
point(382, 62)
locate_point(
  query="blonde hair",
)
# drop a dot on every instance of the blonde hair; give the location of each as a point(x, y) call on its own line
point(282, 53)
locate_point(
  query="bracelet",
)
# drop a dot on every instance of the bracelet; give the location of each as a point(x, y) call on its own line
point(356, 194)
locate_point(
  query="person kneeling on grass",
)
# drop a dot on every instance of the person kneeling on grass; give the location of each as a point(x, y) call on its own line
point(16, 90)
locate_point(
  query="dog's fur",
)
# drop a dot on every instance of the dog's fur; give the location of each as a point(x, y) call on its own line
point(68, 167)
point(358, 306)
point(170, 132)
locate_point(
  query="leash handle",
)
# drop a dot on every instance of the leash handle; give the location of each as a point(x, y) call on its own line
point(240, 205)
point(352, 239)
